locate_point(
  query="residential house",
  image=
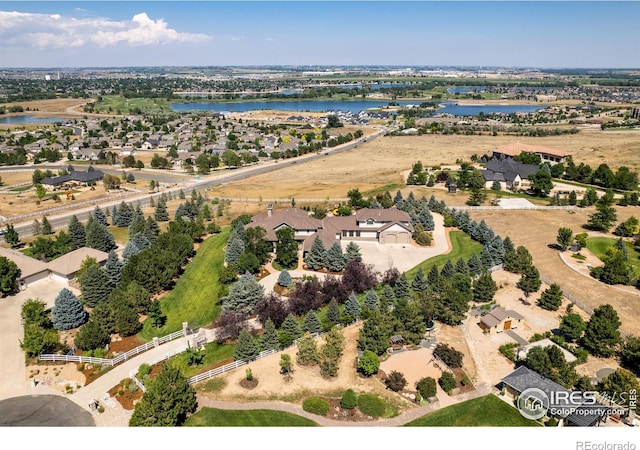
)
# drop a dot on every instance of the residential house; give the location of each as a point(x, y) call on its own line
point(72, 179)
point(66, 267)
point(31, 269)
point(547, 154)
point(509, 173)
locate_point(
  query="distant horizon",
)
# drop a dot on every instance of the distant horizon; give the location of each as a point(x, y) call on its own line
point(500, 34)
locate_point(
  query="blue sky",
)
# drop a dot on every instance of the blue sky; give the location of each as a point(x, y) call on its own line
point(178, 33)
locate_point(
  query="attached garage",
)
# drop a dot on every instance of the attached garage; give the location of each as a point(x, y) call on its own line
point(395, 233)
point(31, 270)
point(66, 266)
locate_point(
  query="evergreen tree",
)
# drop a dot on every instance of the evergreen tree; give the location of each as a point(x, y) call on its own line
point(36, 228)
point(572, 326)
point(387, 299)
point(286, 248)
point(374, 335)
point(486, 259)
point(371, 300)
point(462, 267)
point(289, 331)
point(269, 338)
point(475, 265)
point(307, 354)
point(448, 270)
point(95, 285)
point(243, 295)
point(137, 225)
point(602, 335)
point(333, 312)
point(397, 198)
point(124, 215)
point(45, 227)
point(129, 250)
point(284, 279)
point(352, 252)
point(99, 216)
point(315, 258)
point(507, 245)
point(99, 237)
point(551, 298)
point(484, 288)
point(114, 215)
point(496, 249)
point(335, 258)
point(140, 241)
point(352, 307)
point(246, 348)
point(91, 336)
point(113, 267)
point(517, 261)
point(11, 236)
point(433, 275)
point(401, 289)
point(419, 283)
point(67, 312)
point(161, 214)
point(529, 281)
point(167, 402)
point(233, 251)
point(77, 232)
point(311, 323)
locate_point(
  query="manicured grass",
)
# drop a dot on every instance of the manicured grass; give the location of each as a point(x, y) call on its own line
point(120, 234)
point(462, 247)
point(196, 296)
point(391, 187)
point(599, 245)
point(211, 417)
point(214, 353)
point(487, 411)
point(121, 105)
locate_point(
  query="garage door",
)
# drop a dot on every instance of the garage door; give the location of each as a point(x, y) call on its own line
point(403, 238)
point(36, 277)
point(391, 238)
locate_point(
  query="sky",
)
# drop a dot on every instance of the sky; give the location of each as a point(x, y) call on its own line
point(550, 34)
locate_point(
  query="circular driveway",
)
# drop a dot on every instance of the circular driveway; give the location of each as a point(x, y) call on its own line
point(43, 411)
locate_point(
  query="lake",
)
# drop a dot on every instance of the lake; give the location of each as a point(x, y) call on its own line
point(354, 106)
point(16, 120)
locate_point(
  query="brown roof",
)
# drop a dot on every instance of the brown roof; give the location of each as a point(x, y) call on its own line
point(71, 262)
point(297, 219)
point(28, 266)
point(497, 315)
point(382, 215)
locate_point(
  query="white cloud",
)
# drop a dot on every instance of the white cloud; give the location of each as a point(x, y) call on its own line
point(56, 31)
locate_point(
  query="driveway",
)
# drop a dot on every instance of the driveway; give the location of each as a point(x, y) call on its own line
point(12, 360)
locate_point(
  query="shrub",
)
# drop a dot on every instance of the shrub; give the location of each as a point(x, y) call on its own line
point(368, 363)
point(349, 399)
point(450, 356)
point(316, 405)
point(371, 405)
point(395, 381)
point(144, 369)
point(426, 387)
point(81, 367)
point(465, 381)
point(447, 382)
point(507, 350)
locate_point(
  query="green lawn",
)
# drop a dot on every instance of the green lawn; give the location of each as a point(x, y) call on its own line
point(211, 417)
point(599, 246)
point(462, 246)
point(487, 411)
point(195, 297)
point(214, 353)
point(120, 234)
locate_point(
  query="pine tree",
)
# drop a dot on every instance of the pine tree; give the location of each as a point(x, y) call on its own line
point(140, 241)
point(419, 283)
point(484, 288)
point(448, 270)
point(246, 348)
point(496, 248)
point(269, 338)
point(289, 330)
point(352, 307)
point(11, 236)
point(371, 300)
point(234, 250)
point(45, 227)
point(486, 259)
point(475, 265)
point(137, 225)
point(311, 323)
point(36, 228)
point(462, 267)
point(284, 279)
point(307, 354)
point(114, 215)
point(113, 267)
point(397, 198)
point(315, 258)
point(124, 215)
point(129, 250)
point(151, 230)
point(67, 312)
point(243, 295)
point(333, 312)
point(401, 289)
point(161, 214)
point(387, 299)
point(507, 245)
point(100, 217)
point(530, 280)
point(551, 298)
point(352, 252)
point(433, 275)
point(77, 232)
point(99, 237)
point(95, 285)
point(335, 258)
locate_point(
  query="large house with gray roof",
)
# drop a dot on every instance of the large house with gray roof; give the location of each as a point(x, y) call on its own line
point(73, 178)
point(510, 173)
point(385, 226)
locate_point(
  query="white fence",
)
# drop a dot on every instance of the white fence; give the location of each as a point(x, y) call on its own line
point(118, 359)
point(500, 208)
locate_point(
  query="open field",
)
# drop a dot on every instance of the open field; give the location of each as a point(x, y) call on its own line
point(487, 411)
point(384, 160)
point(537, 230)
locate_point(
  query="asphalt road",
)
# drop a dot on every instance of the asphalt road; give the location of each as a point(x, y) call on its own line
point(61, 220)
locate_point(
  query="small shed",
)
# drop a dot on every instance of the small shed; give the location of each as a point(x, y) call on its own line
point(575, 247)
point(397, 342)
point(453, 188)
